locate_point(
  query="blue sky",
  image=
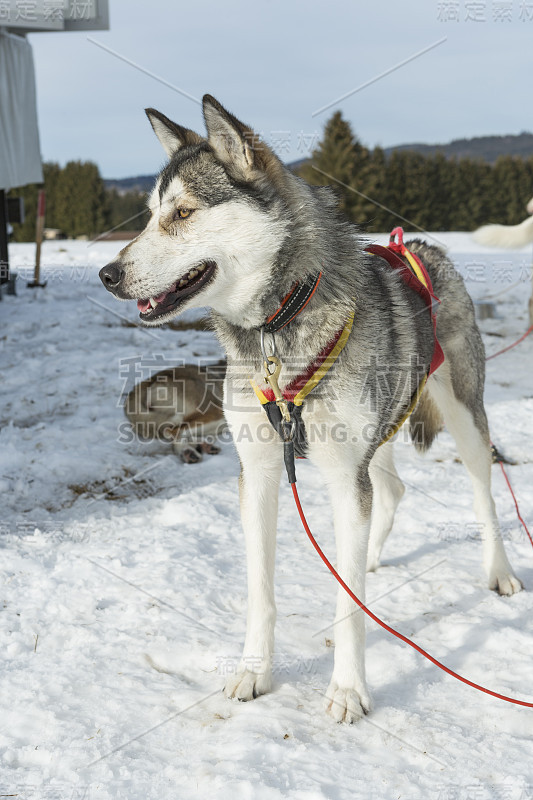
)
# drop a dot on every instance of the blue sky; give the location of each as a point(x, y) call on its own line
point(275, 63)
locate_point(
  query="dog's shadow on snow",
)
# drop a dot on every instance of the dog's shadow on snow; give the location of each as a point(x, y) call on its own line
point(471, 658)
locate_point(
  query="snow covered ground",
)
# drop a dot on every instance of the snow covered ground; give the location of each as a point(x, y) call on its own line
point(124, 591)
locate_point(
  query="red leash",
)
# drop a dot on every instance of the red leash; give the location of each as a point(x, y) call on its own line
point(505, 349)
point(488, 358)
point(292, 480)
point(515, 502)
point(289, 463)
point(387, 627)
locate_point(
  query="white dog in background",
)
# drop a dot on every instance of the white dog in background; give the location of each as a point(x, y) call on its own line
point(509, 237)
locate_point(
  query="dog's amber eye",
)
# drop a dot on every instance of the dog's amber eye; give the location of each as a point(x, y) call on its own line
point(182, 213)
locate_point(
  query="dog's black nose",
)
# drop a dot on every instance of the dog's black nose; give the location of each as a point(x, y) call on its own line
point(111, 276)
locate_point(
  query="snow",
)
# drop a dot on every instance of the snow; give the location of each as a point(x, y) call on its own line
point(124, 587)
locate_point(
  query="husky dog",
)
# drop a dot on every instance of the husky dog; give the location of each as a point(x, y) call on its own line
point(232, 228)
point(509, 236)
point(181, 405)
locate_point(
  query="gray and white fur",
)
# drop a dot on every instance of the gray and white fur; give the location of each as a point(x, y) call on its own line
point(233, 229)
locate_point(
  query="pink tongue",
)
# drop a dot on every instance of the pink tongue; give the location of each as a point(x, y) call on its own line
point(144, 305)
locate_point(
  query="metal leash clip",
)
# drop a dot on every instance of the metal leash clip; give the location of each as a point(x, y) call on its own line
point(272, 366)
point(272, 379)
point(263, 348)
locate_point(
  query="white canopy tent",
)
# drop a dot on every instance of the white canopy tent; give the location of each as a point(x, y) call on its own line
point(20, 154)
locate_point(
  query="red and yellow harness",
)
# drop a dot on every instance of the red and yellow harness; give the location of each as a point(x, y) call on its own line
point(415, 276)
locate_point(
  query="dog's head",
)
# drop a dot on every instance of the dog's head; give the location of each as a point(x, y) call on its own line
point(218, 220)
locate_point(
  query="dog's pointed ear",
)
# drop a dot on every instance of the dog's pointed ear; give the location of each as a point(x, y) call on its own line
point(232, 140)
point(171, 135)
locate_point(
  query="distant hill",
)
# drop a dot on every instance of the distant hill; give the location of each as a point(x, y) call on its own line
point(485, 148)
point(141, 183)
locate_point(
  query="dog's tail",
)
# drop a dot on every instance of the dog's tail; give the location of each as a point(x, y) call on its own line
point(508, 236)
point(425, 423)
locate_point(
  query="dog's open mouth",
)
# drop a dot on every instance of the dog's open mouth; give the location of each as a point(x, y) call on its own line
point(187, 285)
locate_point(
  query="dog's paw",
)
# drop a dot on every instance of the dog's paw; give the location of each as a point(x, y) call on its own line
point(505, 583)
point(346, 705)
point(209, 448)
point(247, 685)
point(190, 455)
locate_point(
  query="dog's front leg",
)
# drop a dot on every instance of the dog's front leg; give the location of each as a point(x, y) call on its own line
point(347, 696)
point(350, 491)
point(261, 463)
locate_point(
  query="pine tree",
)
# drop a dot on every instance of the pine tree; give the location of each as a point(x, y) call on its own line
point(127, 210)
point(415, 201)
point(380, 219)
point(366, 183)
point(513, 187)
point(473, 180)
point(395, 177)
point(524, 185)
point(81, 200)
point(51, 173)
point(333, 162)
point(440, 177)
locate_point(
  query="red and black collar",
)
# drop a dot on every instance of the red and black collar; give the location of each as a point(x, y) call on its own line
point(293, 302)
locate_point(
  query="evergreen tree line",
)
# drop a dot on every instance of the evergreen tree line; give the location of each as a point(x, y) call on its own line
point(78, 203)
point(431, 192)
